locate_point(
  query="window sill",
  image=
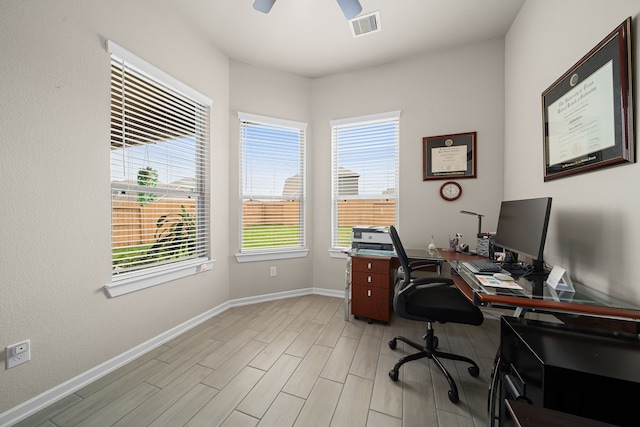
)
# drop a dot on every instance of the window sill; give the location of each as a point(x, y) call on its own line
point(267, 256)
point(339, 253)
point(127, 283)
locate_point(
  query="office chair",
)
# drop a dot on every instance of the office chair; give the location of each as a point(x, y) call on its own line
point(429, 299)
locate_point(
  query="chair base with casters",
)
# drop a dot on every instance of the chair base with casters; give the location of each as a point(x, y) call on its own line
point(429, 351)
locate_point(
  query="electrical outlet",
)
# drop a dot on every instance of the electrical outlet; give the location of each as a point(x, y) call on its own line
point(18, 354)
point(273, 272)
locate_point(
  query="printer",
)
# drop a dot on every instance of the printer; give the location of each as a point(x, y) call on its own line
point(371, 237)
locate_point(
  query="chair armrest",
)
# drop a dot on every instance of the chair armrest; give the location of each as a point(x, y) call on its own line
point(432, 282)
point(424, 263)
point(427, 282)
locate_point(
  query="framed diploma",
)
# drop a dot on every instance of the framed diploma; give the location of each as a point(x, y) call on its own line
point(588, 112)
point(449, 156)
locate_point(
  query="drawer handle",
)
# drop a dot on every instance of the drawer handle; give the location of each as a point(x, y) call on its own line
point(369, 279)
point(369, 292)
point(369, 266)
point(515, 389)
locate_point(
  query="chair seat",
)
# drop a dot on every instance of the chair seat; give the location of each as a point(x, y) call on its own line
point(443, 304)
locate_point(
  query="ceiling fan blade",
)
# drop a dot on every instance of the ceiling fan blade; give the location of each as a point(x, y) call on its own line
point(263, 6)
point(350, 8)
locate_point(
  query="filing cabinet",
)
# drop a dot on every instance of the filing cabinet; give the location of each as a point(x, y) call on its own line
point(371, 287)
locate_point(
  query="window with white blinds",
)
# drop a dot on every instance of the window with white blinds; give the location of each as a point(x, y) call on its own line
point(159, 169)
point(272, 184)
point(364, 173)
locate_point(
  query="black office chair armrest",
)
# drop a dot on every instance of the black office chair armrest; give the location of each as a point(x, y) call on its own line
point(423, 263)
point(425, 282)
point(431, 282)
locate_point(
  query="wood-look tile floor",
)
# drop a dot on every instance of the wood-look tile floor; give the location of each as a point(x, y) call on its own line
point(290, 362)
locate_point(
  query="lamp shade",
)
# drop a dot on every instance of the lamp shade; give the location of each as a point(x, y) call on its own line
point(263, 6)
point(350, 8)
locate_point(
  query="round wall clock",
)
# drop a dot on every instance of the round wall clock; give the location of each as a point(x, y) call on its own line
point(450, 191)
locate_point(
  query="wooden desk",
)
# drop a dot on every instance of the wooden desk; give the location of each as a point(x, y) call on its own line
point(588, 304)
point(535, 294)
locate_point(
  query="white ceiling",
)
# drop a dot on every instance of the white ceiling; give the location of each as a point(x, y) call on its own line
point(312, 38)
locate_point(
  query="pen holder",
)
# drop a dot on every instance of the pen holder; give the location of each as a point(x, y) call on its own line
point(454, 244)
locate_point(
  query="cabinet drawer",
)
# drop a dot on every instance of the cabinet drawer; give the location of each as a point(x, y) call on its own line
point(371, 303)
point(370, 279)
point(376, 265)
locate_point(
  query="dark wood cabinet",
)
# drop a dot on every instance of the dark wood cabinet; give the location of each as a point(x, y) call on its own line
point(584, 372)
point(371, 284)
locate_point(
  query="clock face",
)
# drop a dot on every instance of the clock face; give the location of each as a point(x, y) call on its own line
point(450, 191)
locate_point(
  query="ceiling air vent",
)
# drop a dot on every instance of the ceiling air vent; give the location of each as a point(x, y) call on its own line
point(365, 24)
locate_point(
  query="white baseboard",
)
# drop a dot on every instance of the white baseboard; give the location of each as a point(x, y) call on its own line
point(51, 396)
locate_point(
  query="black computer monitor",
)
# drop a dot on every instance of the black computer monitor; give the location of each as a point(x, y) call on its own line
point(522, 228)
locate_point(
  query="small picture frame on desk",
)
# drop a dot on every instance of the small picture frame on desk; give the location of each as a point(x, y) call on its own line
point(449, 156)
point(559, 280)
point(560, 284)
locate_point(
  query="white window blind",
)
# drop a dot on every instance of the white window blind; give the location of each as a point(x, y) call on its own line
point(365, 173)
point(272, 184)
point(159, 168)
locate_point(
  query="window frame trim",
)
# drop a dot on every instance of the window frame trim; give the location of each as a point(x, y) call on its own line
point(338, 251)
point(273, 253)
point(127, 282)
point(157, 74)
point(153, 276)
point(367, 119)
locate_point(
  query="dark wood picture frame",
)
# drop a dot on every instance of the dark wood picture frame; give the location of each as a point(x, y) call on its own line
point(449, 156)
point(587, 114)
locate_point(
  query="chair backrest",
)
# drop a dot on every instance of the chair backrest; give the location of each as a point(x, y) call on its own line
point(403, 279)
point(402, 255)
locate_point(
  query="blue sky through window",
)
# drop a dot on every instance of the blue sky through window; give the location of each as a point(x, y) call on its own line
point(270, 156)
point(370, 152)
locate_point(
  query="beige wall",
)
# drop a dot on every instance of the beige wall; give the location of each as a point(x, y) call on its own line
point(594, 228)
point(444, 93)
point(452, 92)
point(54, 168)
point(284, 96)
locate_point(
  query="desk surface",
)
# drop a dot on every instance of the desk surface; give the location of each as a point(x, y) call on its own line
point(536, 294)
point(411, 253)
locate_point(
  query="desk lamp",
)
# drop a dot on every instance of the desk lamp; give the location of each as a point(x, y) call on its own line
point(479, 221)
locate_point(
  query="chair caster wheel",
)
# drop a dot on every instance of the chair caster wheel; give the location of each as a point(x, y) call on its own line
point(393, 344)
point(474, 371)
point(393, 374)
point(370, 321)
point(355, 316)
point(453, 397)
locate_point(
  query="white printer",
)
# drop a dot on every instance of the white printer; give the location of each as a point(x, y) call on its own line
point(371, 237)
